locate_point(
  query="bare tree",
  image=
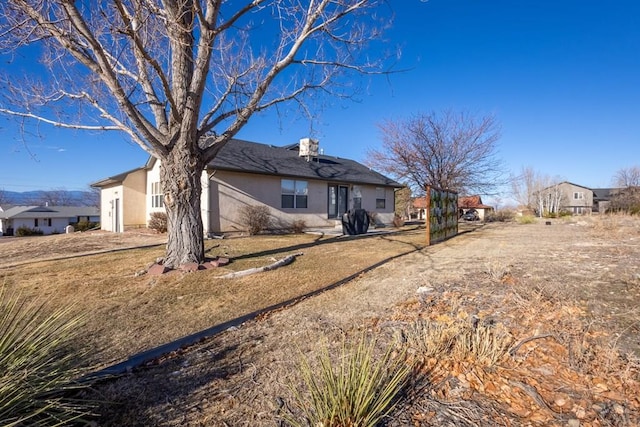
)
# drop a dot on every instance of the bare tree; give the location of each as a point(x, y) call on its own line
point(452, 151)
point(4, 197)
point(627, 177)
point(55, 197)
point(525, 185)
point(182, 77)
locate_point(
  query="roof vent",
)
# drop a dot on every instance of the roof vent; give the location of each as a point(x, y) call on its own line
point(308, 148)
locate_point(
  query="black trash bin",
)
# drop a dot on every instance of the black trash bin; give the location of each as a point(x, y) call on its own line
point(355, 222)
point(360, 221)
point(347, 224)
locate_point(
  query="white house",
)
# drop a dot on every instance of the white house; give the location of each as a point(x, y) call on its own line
point(294, 181)
point(48, 219)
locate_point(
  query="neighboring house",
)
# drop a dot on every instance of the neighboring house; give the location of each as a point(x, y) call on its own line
point(48, 219)
point(294, 181)
point(577, 199)
point(468, 203)
point(420, 207)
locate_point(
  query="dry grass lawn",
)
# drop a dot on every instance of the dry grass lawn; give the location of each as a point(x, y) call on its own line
point(127, 314)
point(564, 297)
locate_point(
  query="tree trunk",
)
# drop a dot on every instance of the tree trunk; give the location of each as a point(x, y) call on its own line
point(180, 174)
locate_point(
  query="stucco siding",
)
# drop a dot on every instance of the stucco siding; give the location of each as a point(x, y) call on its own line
point(229, 192)
point(111, 216)
point(134, 200)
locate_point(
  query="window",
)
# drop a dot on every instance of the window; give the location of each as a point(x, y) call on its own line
point(381, 200)
point(157, 198)
point(35, 222)
point(294, 194)
point(357, 197)
point(578, 195)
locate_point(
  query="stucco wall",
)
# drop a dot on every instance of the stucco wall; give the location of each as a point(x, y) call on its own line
point(135, 199)
point(229, 192)
point(108, 196)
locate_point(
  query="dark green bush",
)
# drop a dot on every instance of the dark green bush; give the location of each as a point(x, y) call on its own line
point(158, 222)
point(23, 231)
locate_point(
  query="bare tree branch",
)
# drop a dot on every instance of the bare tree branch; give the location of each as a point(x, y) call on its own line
point(181, 77)
point(453, 151)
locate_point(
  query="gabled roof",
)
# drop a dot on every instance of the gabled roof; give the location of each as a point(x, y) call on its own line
point(251, 157)
point(118, 179)
point(469, 202)
point(49, 212)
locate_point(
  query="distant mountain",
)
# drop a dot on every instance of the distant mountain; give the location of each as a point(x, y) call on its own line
point(50, 197)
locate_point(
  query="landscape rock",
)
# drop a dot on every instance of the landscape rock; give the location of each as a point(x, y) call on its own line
point(190, 267)
point(157, 270)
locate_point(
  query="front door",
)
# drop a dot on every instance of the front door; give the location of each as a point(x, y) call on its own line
point(338, 202)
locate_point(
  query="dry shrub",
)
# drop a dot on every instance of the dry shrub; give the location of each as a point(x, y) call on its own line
point(497, 270)
point(526, 219)
point(502, 215)
point(398, 222)
point(298, 226)
point(484, 342)
point(158, 222)
point(255, 219)
point(359, 390)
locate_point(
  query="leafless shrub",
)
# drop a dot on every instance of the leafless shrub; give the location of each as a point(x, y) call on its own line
point(486, 342)
point(298, 226)
point(502, 215)
point(255, 219)
point(497, 271)
point(398, 222)
point(158, 222)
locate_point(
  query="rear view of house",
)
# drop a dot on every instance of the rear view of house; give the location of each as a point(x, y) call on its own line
point(295, 182)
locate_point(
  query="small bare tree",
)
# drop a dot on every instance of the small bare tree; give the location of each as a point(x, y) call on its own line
point(4, 197)
point(453, 151)
point(181, 77)
point(525, 185)
point(627, 177)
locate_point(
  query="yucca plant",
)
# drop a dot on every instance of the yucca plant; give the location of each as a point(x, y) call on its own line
point(37, 366)
point(358, 391)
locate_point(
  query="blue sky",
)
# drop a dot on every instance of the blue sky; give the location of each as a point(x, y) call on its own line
point(562, 78)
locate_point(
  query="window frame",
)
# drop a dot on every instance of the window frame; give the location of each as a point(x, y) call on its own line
point(296, 194)
point(381, 202)
point(157, 195)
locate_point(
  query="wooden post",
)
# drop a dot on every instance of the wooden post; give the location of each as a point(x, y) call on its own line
point(427, 216)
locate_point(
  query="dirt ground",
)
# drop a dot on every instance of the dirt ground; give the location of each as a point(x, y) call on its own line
point(567, 293)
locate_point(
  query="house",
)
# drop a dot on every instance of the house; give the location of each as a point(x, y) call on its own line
point(48, 219)
point(419, 207)
point(468, 203)
point(574, 198)
point(294, 181)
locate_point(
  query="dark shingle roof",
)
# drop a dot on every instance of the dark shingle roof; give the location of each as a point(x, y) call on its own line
point(251, 157)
